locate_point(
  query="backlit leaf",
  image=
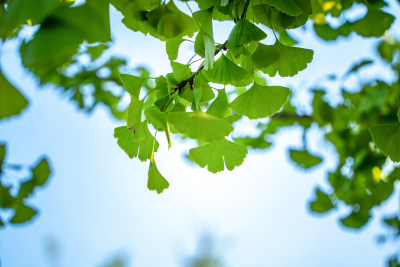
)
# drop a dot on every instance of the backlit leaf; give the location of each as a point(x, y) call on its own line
point(387, 139)
point(288, 7)
point(245, 32)
point(216, 153)
point(304, 159)
point(220, 106)
point(136, 141)
point(368, 25)
point(156, 181)
point(260, 101)
point(199, 125)
point(290, 62)
point(322, 203)
point(23, 214)
point(41, 172)
point(172, 47)
point(132, 84)
point(134, 112)
point(12, 102)
point(265, 55)
point(226, 72)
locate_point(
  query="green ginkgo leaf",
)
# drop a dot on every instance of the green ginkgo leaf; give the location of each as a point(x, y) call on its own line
point(201, 82)
point(216, 153)
point(12, 102)
point(387, 139)
point(265, 55)
point(322, 203)
point(181, 71)
point(290, 62)
point(375, 23)
point(199, 125)
point(132, 84)
point(41, 172)
point(244, 32)
point(22, 214)
point(137, 142)
point(288, 7)
point(260, 101)
point(134, 112)
point(220, 106)
point(172, 47)
point(304, 159)
point(226, 72)
point(155, 180)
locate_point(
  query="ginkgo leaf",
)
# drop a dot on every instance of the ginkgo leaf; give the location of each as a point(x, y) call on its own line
point(199, 125)
point(260, 101)
point(368, 25)
point(288, 7)
point(220, 106)
point(12, 102)
point(132, 84)
point(387, 139)
point(226, 72)
point(172, 47)
point(322, 203)
point(304, 159)
point(244, 32)
point(157, 118)
point(201, 82)
point(22, 214)
point(156, 181)
point(134, 112)
point(181, 71)
point(265, 55)
point(41, 172)
point(216, 153)
point(131, 140)
point(290, 62)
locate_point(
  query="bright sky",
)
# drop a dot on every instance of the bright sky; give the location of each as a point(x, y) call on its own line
point(97, 203)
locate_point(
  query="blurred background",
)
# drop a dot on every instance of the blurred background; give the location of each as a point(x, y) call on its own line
point(97, 211)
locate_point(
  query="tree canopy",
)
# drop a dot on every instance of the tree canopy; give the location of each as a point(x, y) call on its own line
point(204, 99)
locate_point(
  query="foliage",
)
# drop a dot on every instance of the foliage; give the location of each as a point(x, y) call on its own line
point(203, 102)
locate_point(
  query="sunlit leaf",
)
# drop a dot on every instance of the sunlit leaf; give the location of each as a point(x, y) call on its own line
point(304, 159)
point(134, 112)
point(12, 102)
point(260, 101)
point(322, 203)
point(23, 214)
point(132, 84)
point(199, 125)
point(172, 47)
point(245, 32)
point(226, 72)
point(387, 139)
point(137, 142)
point(288, 7)
point(216, 153)
point(156, 181)
point(290, 62)
point(220, 106)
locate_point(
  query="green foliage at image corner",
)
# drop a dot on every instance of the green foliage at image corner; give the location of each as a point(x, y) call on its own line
point(18, 202)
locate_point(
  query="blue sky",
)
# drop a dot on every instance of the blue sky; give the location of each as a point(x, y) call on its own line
point(97, 203)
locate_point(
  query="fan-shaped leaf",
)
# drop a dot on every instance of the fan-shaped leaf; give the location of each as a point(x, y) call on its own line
point(244, 32)
point(172, 47)
point(227, 72)
point(131, 140)
point(220, 106)
point(132, 84)
point(290, 62)
point(134, 112)
point(12, 102)
point(288, 7)
point(156, 181)
point(387, 139)
point(265, 55)
point(304, 159)
point(260, 101)
point(199, 125)
point(214, 154)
